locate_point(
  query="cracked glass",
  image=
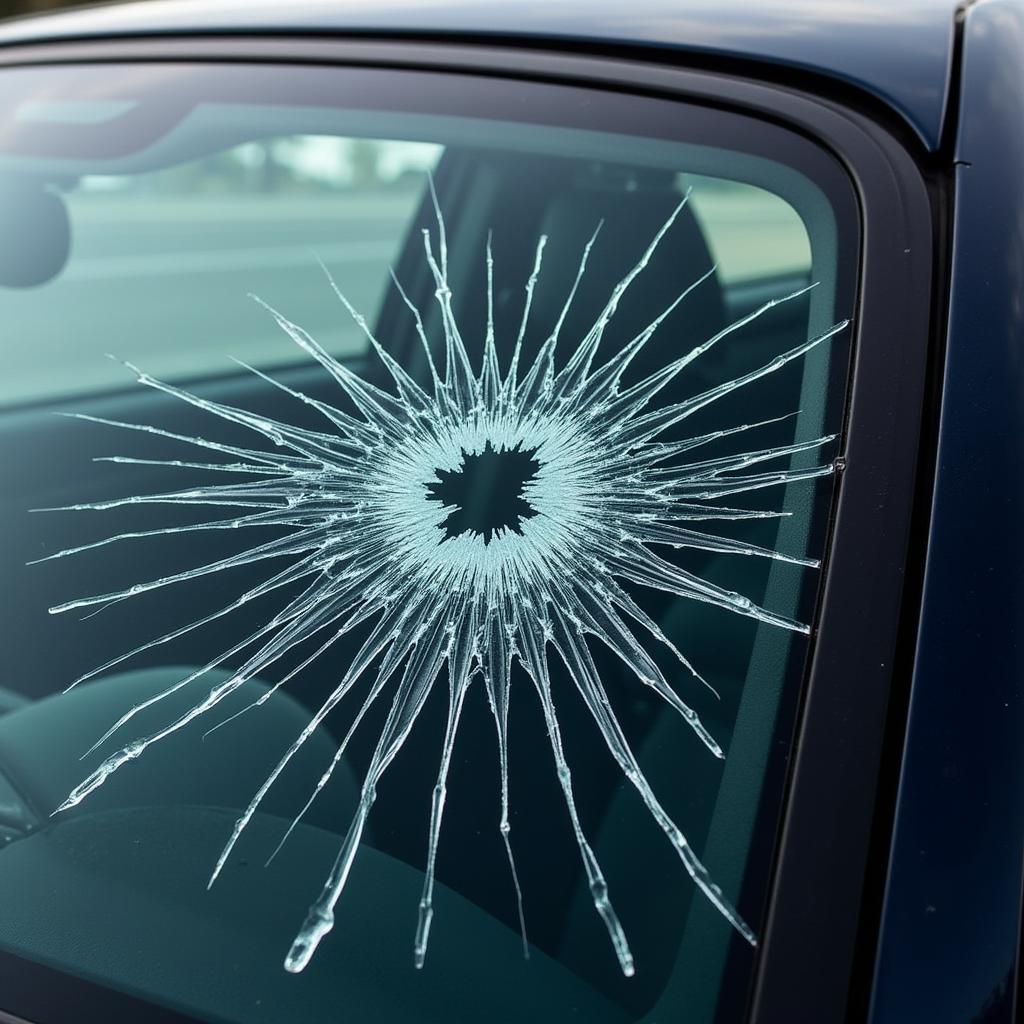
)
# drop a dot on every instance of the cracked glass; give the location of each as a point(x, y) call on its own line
point(424, 492)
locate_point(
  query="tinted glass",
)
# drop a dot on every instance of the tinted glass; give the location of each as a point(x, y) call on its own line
point(507, 557)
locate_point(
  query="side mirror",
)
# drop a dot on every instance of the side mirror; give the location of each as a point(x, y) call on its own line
point(35, 232)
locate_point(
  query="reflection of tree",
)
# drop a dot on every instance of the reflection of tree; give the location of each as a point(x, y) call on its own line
point(364, 157)
point(221, 173)
point(266, 166)
point(275, 166)
point(272, 170)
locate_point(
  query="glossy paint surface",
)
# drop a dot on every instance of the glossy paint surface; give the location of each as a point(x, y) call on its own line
point(951, 924)
point(899, 52)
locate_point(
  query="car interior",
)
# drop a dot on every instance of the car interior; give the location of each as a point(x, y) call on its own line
point(114, 890)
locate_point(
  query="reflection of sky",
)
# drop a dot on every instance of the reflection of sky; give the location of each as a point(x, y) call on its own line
point(898, 48)
point(328, 159)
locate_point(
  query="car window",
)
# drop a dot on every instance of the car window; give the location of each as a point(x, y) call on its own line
point(417, 604)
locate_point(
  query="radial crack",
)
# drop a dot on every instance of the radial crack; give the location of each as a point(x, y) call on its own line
point(374, 541)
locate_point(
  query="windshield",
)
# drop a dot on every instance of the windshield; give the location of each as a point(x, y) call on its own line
point(424, 484)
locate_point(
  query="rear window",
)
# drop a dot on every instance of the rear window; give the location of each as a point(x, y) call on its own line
point(424, 485)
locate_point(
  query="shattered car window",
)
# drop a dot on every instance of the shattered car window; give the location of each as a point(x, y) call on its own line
point(423, 509)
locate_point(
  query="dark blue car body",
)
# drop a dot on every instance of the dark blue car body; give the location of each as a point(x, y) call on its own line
point(902, 903)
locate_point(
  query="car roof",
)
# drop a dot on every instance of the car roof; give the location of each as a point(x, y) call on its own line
point(901, 52)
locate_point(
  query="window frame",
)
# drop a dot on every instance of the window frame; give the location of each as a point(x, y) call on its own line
point(866, 608)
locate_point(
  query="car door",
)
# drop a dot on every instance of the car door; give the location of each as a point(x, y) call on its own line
point(530, 614)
